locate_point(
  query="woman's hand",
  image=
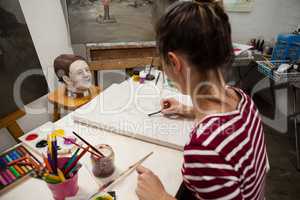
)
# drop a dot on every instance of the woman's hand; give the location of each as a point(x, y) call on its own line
point(149, 186)
point(176, 108)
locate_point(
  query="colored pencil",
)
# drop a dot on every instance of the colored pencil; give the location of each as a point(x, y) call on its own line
point(73, 157)
point(92, 147)
point(16, 161)
point(61, 175)
point(123, 175)
point(75, 162)
point(54, 154)
point(48, 166)
point(82, 147)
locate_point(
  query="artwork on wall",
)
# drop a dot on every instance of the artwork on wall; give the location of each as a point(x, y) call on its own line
point(239, 5)
point(17, 56)
point(110, 21)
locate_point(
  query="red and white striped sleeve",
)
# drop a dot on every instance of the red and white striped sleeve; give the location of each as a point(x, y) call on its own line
point(208, 175)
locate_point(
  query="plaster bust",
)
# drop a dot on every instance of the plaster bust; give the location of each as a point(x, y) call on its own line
point(74, 72)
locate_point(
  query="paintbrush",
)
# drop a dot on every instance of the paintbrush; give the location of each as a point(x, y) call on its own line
point(123, 175)
point(69, 140)
point(166, 105)
point(92, 147)
point(158, 76)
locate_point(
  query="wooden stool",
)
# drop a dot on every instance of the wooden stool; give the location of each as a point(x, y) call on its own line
point(60, 100)
point(10, 123)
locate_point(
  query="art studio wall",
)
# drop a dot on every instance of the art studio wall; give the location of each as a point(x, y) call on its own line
point(268, 18)
point(49, 31)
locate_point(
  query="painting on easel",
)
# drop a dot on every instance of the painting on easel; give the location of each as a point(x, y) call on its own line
point(110, 21)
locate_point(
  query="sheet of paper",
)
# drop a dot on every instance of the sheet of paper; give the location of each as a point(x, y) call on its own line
point(124, 109)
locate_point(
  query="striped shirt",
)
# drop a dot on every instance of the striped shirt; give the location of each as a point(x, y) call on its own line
point(226, 155)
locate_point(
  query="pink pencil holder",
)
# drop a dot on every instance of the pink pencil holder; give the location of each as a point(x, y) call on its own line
point(68, 188)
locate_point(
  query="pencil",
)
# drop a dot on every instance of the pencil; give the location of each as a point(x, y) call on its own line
point(61, 175)
point(16, 161)
point(92, 147)
point(82, 147)
point(75, 162)
point(47, 163)
point(73, 157)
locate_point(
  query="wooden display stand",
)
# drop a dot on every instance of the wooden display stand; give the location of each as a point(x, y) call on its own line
point(61, 101)
point(10, 123)
point(115, 56)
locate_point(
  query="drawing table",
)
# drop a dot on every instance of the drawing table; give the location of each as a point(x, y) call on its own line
point(165, 162)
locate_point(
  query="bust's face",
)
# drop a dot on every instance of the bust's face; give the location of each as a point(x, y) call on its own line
point(80, 75)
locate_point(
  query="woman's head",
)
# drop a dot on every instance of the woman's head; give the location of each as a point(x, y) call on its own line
point(195, 34)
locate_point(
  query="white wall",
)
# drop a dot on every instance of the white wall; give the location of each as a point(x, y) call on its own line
point(46, 23)
point(268, 19)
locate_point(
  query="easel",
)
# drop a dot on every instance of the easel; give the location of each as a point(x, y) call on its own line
point(10, 123)
point(116, 56)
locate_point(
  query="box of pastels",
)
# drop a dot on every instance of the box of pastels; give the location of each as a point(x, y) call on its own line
point(15, 164)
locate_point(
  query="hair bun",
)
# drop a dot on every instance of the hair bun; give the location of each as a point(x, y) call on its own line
point(208, 1)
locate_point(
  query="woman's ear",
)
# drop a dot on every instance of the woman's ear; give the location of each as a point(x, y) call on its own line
point(175, 62)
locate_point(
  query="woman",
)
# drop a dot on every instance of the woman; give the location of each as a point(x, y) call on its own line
point(226, 155)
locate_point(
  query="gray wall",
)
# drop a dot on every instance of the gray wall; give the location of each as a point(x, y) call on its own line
point(269, 18)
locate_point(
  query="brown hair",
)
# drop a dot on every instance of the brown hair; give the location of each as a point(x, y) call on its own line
point(198, 29)
point(62, 64)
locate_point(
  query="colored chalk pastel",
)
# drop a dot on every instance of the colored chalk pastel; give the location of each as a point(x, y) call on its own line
point(14, 171)
point(16, 167)
point(2, 163)
point(24, 169)
point(19, 154)
point(19, 170)
point(11, 168)
point(10, 176)
point(2, 180)
point(6, 177)
point(8, 159)
point(11, 156)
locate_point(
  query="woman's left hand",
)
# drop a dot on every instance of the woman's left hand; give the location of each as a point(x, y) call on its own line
point(149, 186)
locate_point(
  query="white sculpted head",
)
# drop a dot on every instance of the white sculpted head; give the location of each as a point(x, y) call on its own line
point(74, 72)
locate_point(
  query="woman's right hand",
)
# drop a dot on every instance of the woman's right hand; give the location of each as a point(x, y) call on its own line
point(171, 106)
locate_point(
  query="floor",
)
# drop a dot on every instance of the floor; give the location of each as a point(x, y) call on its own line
point(283, 182)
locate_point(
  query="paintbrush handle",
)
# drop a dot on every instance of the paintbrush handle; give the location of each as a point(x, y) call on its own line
point(155, 113)
point(98, 156)
point(92, 147)
point(124, 174)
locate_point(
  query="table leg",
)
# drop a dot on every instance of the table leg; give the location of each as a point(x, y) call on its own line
point(56, 112)
point(297, 139)
point(96, 78)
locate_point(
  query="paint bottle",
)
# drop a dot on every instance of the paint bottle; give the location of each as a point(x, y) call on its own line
point(103, 167)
